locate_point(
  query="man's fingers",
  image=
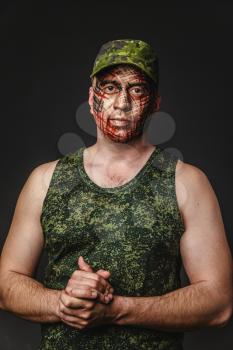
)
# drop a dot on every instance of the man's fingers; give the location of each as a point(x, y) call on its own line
point(68, 311)
point(71, 324)
point(69, 318)
point(72, 300)
point(87, 282)
point(92, 279)
point(88, 277)
point(95, 294)
point(74, 324)
point(103, 297)
point(77, 311)
point(68, 289)
point(72, 320)
point(86, 274)
point(83, 293)
point(105, 274)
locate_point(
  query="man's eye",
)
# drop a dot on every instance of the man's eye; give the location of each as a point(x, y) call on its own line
point(110, 89)
point(136, 90)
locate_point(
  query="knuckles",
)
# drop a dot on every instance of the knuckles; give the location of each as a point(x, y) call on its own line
point(62, 308)
point(77, 277)
point(86, 315)
point(65, 299)
point(89, 305)
point(67, 303)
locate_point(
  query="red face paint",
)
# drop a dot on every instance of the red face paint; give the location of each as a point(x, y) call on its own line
point(121, 102)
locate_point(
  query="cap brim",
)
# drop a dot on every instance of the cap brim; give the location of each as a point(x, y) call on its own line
point(122, 62)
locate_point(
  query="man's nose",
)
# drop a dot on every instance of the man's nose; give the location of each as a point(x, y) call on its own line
point(122, 100)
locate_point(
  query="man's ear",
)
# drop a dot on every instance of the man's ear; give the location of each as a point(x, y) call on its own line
point(90, 100)
point(157, 103)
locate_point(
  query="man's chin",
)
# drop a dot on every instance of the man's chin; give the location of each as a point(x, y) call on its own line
point(123, 139)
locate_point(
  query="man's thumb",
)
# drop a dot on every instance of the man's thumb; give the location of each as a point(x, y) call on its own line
point(83, 265)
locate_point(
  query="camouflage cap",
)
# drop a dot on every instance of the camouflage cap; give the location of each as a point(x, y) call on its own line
point(129, 51)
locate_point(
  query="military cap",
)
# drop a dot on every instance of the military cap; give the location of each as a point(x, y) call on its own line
point(129, 51)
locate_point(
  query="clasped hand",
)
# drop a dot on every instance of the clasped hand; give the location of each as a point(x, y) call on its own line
point(82, 304)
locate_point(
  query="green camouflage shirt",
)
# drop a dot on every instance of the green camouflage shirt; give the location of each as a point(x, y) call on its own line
point(132, 230)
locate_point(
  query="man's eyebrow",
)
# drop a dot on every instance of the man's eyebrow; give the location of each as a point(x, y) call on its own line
point(144, 83)
point(115, 82)
point(109, 81)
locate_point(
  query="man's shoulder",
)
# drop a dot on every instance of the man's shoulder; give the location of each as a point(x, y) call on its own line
point(191, 183)
point(41, 175)
point(46, 167)
point(190, 174)
point(188, 171)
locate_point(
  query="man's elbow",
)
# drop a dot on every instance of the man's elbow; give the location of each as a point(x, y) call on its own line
point(223, 319)
point(4, 290)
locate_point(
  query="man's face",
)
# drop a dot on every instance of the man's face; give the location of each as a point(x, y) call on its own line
point(120, 100)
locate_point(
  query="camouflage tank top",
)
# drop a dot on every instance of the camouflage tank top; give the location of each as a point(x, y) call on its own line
point(132, 230)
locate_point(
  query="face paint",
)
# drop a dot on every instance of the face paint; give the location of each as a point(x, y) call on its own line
point(122, 100)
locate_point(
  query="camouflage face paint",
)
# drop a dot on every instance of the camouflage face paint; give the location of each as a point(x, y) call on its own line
point(122, 93)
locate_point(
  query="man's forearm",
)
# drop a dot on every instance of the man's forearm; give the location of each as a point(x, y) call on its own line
point(191, 307)
point(29, 299)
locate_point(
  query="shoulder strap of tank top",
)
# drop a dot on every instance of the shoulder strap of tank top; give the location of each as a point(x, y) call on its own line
point(165, 162)
point(64, 175)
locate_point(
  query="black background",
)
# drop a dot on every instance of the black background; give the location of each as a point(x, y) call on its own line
point(47, 53)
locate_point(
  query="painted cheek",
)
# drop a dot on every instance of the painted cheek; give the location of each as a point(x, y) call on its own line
point(101, 107)
point(101, 102)
point(140, 107)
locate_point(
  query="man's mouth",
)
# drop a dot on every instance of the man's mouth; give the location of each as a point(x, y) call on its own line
point(120, 119)
point(119, 122)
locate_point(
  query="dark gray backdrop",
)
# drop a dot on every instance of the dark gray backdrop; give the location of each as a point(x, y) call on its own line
point(47, 52)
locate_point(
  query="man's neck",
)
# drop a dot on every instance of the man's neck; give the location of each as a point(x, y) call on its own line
point(106, 151)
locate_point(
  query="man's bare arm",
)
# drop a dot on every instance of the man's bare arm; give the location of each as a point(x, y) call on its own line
point(20, 293)
point(29, 299)
point(207, 259)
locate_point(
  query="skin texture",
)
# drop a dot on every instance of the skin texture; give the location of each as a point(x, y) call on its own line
point(206, 302)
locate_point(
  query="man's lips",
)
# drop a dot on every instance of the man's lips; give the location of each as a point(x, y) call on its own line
point(119, 122)
point(120, 119)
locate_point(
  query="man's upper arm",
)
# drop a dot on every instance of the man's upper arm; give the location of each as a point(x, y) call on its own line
point(24, 242)
point(204, 247)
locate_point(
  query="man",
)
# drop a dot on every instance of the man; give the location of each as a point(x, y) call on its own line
point(130, 212)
